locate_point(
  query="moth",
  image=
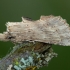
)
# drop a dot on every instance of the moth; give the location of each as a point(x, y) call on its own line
point(48, 29)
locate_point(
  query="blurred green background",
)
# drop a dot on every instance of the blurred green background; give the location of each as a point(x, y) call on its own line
point(13, 10)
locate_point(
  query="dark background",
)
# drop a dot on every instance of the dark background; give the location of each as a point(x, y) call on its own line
point(13, 10)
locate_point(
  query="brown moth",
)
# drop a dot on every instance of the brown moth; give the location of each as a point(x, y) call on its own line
point(48, 29)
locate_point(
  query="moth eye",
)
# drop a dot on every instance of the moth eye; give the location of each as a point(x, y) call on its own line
point(10, 37)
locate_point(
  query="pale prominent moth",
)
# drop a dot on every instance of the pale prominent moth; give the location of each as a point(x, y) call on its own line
point(48, 29)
